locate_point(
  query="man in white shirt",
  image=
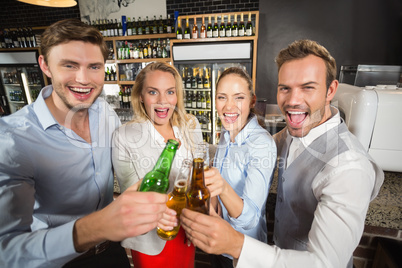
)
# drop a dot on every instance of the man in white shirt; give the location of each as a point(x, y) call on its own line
point(326, 179)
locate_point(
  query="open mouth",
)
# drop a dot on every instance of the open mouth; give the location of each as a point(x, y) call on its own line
point(230, 118)
point(80, 90)
point(162, 112)
point(296, 118)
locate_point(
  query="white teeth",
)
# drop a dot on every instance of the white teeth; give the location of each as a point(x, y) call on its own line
point(296, 112)
point(161, 110)
point(81, 90)
point(231, 115)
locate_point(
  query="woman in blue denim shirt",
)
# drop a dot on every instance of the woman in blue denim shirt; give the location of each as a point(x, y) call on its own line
point(244, 161)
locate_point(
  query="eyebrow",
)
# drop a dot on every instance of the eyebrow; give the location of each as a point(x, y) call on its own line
point(240, 93)
point(154, 88)
point(305, 84)
point(64, 61)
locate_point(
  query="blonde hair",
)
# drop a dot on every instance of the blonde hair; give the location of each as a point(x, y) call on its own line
point(185, 122)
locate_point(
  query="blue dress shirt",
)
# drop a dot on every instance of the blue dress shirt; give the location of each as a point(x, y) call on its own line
point(247, 165)
point(50, 177)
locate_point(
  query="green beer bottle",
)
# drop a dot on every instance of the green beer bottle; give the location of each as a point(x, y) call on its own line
point(157, 180)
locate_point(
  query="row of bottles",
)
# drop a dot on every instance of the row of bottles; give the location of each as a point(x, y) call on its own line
point(197, 99)
point(204, 118)
point(110, 74)
point(19, 38)
point(217, 29)
point(16, 95)
point(143, 49)
point(125, 97)
point(10, 78)
point(196, 78)
point(110, 28)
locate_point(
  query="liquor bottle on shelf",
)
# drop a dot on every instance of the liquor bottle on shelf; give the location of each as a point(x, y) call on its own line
point(157, 180)
point(235, 29)
point(209, 28)
point(169, 25)
point(203, 31)
point(183, 76)
point(209, 124)
point(161, 25)
point(129, 27)
point(207, 79)
point(200, 79)
point(198, 195)
point(116, 28)
point(242, 28)
point(134, 27)
point(177, 198)
point(107, 74)
point(140, 27)
point(188, 78)
point(199, 101)
point(154, 27)
point(179, 30)
point(208, 100)
point(194, 78)
point(147, 26)
point(203, 101)
point(187, 31)
point(249, 26)
point(222, 28)
point(215, 30)
point(195, 29)
point(120, 26)
point(228, 30)
point(194, 100)
point(188, 99)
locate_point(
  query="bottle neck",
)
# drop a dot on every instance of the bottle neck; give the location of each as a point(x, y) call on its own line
point(198, 172)
point(165, 160)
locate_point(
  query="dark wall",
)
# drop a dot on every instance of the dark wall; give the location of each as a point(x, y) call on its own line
point(18, 14)
point(354, 32)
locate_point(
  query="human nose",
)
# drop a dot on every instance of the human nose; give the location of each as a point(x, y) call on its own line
point(294, 97)
point(82, 76)
point(162, 99)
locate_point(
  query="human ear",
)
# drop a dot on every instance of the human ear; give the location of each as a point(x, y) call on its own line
point(333, 87)
point(43, 66)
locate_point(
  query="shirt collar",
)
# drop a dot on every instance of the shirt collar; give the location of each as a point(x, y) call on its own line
point(317, 131)
point(241, 137)
point(43, 113)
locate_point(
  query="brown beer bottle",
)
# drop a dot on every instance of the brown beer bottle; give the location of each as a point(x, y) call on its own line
point(177, 199)
point(198, 196)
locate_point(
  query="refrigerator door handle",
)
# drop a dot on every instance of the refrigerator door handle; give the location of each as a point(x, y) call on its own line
point(4, 101)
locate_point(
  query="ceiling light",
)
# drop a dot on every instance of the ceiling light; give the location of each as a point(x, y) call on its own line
point(51, 3)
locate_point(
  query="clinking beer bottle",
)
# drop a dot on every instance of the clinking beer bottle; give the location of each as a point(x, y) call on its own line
point(198, 196)
point(157, 180)
point(177, 199)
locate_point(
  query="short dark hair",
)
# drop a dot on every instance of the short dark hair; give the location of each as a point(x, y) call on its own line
point(71, 30)
point(302, 48)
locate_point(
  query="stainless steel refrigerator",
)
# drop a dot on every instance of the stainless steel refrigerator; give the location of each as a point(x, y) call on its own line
point(21, 79)
point(195, 61)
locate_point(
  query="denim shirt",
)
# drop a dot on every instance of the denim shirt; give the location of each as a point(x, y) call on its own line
point(50, 177)
point(247, 165)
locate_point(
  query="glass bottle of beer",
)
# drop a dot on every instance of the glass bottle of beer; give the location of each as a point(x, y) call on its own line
point(157, 180)
point(198, 195)
point(177, 198)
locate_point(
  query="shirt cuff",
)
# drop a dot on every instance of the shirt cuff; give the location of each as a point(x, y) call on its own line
point(255, 254)
point(59, 244)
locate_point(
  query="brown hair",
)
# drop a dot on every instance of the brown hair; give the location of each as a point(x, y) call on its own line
point(68, 30)
point(303, 48)
point(185, 122)
point(239, 71)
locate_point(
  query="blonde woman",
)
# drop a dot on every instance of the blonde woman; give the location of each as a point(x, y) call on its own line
point(159, 115)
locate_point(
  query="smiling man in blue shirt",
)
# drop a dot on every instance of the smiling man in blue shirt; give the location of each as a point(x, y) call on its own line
point(56, 177)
